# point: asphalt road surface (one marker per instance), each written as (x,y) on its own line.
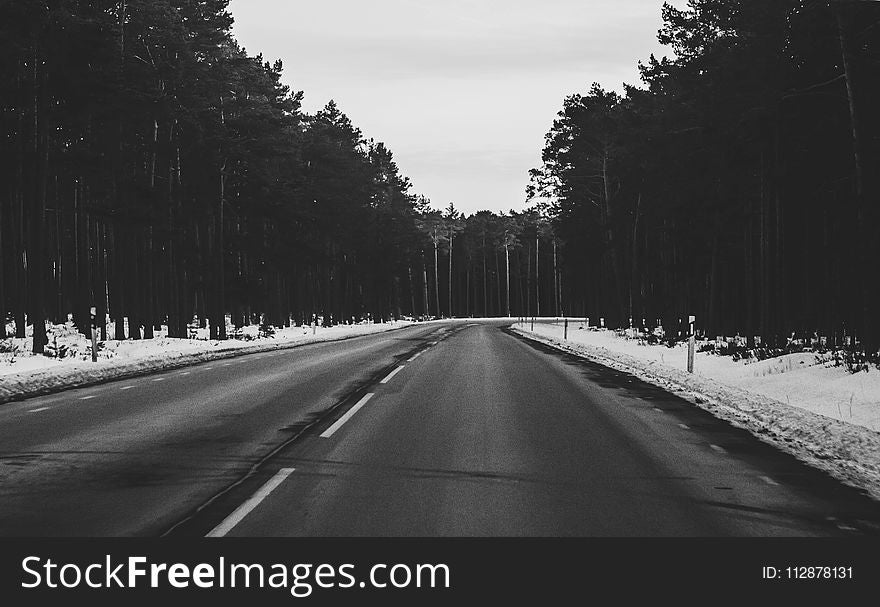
(441,429)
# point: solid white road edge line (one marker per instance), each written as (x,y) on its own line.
(392,374)
(341,421)
(246,508)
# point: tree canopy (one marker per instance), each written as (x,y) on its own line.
(739,184)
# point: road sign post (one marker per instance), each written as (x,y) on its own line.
(691,343)
(565,334)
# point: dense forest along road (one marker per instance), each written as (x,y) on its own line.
(458,428)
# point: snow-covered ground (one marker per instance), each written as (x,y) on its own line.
(22,373)
(801,403)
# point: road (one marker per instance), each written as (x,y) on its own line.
(450,429)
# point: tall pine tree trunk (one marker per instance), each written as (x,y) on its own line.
(3,309)
(528,306)
(507,276)
(38,186)
(412,291)
(555,278)
(537,276)
(485,281)
(500,308)
(451,237)
(425,286)
(437,275)
(866,215)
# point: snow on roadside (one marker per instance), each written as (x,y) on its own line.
(790,402)
(23,374)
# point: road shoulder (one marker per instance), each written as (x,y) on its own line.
(848,452)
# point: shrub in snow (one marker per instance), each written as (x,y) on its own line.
(9,346)
(852,361)
(266,330)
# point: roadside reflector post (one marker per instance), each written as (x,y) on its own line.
(533,323)
(93,313)
(565,335)
(691,343)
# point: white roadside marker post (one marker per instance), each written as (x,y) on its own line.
(691,343)
(565,335)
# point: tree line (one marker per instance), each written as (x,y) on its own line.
(153,170)
(738,184)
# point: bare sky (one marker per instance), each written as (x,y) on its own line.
(461,91)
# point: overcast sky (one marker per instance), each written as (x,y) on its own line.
(461,91)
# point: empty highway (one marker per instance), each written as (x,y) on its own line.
(440,429)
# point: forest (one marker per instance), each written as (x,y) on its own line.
(739,184)
(154,170)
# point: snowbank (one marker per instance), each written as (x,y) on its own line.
(822,415)
(23,374)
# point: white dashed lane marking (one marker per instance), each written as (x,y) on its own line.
(718,449)
(769,480)
(88,397)
(246,508)
(39,410)
(348,415)
(392,374)
(126,387)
